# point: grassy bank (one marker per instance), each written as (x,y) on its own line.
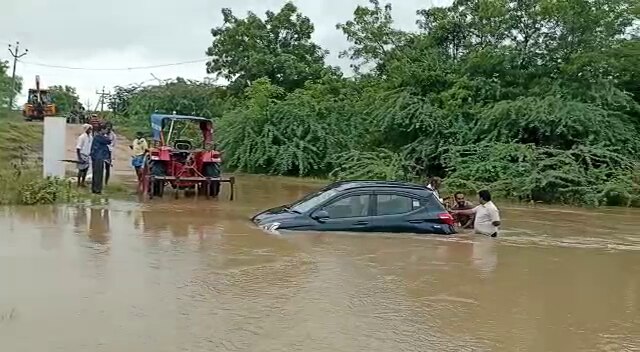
(21,181)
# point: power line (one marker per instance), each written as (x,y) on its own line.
(101,100)
(112,68)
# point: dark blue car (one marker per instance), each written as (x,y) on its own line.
(372,206)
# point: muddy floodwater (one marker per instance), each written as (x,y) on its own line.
(196,275)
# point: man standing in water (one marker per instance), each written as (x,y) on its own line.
(434,185)
(138,148)
(109,163)
(83,151)
(99,156)
(460,203)
(487,215)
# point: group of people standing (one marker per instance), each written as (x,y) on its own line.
(483,218)
(94,149)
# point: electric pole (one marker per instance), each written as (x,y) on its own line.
(102,95)
(16,55)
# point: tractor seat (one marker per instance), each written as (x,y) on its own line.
(182,145)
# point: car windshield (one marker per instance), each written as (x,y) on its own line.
(310,201)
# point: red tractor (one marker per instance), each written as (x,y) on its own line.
(174,159)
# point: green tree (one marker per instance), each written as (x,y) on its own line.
(132,105)
(65,97)
(525,80)
(6,84)
(371,33)
(296,134)
(278,48)
(534,99)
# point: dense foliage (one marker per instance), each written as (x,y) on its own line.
(534,99)
(278,48)
(133,104)
(5,86)
(66,98)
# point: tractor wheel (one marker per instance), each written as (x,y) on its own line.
(158,169)
(212,170)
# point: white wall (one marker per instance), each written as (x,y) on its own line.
(54,146)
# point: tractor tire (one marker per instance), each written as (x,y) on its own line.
(212,170)
(157,187)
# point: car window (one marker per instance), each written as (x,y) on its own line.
(312,200)
(349,207)
(391,204)
(433,204)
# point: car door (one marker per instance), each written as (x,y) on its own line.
(347,213)
(402,212)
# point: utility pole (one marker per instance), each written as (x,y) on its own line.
(16,55)
(102,95)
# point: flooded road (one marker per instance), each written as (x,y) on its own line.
(196,275)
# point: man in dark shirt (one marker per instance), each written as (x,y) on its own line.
(99,156)
(95,122)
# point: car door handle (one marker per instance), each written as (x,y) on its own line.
(416,221)
(361,223)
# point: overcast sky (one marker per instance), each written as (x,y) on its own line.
(133,33)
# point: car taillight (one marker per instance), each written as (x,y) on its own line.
(446,218)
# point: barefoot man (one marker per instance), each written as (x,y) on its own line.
(139,148)
(99,156)
(109,164)
(83,151)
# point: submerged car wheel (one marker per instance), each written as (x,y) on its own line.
(212,170)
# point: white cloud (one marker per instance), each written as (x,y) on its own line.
(128,33)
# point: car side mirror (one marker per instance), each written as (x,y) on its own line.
(320,215)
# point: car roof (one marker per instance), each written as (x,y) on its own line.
(353,184)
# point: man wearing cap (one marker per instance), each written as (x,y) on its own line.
(83,151)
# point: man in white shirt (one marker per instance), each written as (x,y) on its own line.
(107,166)
(487,215)
(434,185)
(83,151)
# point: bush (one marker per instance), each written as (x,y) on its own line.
(582,175)
(484,95)
(21,181)
(27,187)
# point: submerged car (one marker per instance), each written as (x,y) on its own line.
(364,206)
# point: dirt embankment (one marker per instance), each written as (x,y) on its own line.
(122,170)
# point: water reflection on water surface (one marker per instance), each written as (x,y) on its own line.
(191,275)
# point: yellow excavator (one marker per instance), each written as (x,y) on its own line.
(39,104)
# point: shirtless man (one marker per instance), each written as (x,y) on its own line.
(460,203)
